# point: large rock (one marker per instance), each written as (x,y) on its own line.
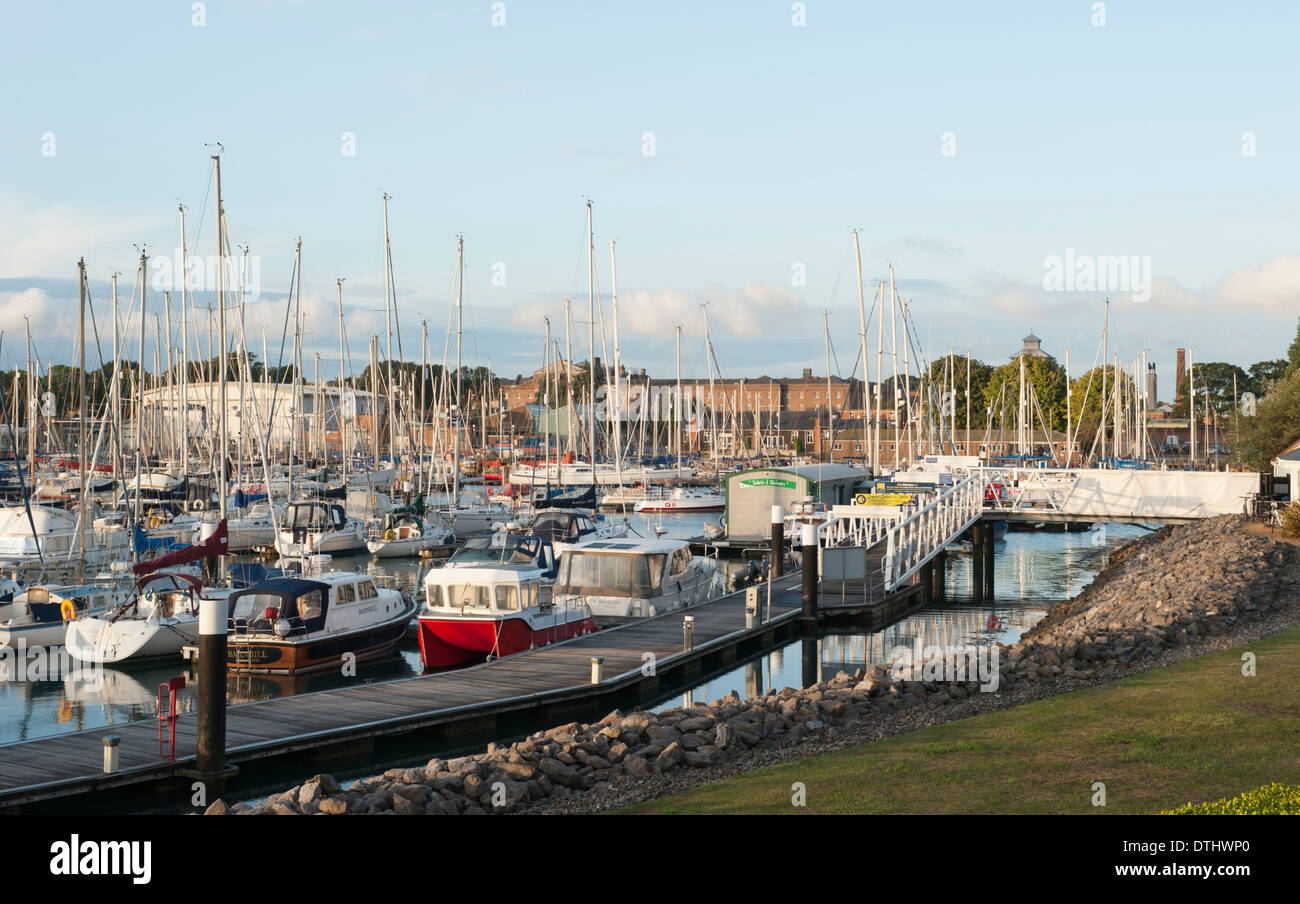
(560,773)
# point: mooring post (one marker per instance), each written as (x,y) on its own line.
(809,669)
(210,765)
(778,541)
(596,663)
(977,559)
(988,561)
(110,753)
(940,574)
(926,580)
(810,575)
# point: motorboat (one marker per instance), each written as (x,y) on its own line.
(303,624)
(683,500)
(488,611)
(504,548)
(564,527)
(37,616)
(635,578)
(48,535)
(313,527)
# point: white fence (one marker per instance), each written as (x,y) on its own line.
(914,541)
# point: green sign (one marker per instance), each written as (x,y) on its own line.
(769,482)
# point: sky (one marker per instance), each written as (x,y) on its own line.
(729,148)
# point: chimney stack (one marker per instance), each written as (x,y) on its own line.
(1152,398)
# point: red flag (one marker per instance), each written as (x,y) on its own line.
(213,546)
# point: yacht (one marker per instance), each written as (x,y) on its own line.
(158,618)
(294,625)
(407,537)
(682,499)
(635,578)
(478,612)
(312,528)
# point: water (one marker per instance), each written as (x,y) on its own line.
(1032,572)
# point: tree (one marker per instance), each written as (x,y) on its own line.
(1002,393)
(1264,375)
(1085,402)
(1275,426)
(1293,353)
(943,377)
(1218,378)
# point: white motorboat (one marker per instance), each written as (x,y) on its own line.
(311,528)
(635,578)
(682,500)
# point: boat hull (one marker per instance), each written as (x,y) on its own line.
(459,640)
(313,655)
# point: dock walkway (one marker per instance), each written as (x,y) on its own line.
(71,764)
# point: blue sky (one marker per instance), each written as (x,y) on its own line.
(771,140)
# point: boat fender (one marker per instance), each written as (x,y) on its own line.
(390,534)
(197,505)
(68,609)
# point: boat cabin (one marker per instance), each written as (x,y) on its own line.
(508,588)
(315,517)
(503,548)
(562,526)
(624,568)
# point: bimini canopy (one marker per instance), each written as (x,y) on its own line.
(301,602)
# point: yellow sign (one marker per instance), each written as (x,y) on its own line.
(883,498)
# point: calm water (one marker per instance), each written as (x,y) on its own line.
(1032,571)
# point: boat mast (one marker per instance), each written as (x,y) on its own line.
(81,418)
(388,314)
(713,403)
(862,337)
(185,374)
(591,344)
(830,412)
(222,461)
(139,391)
(618,406)
(677,409)
(455,445)
(1105,334)
(343,365)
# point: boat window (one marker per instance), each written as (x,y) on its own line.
(346,593)
(681,561)
(468,596)
(656,564)
(507,599)
(366,590)
(309,605)
(606,575)
(433,593)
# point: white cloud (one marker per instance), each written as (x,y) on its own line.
(1273,286)
(51,238)
(752,311)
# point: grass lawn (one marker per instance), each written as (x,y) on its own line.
(1197,731)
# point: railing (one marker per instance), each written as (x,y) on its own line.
(915,540)
(1031,489)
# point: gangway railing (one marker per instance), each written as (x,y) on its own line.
(918,538)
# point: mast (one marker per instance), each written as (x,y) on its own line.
(713,404)
(591,343)
(388,313)
(294,406)
(618,401)
(1105,335)
(81,418)
(343,365)
(455,445)
(185,373)
(830,411)
(568,373)
(139,391)
(31,399)
(862,336)
(678,410)
(222,460)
